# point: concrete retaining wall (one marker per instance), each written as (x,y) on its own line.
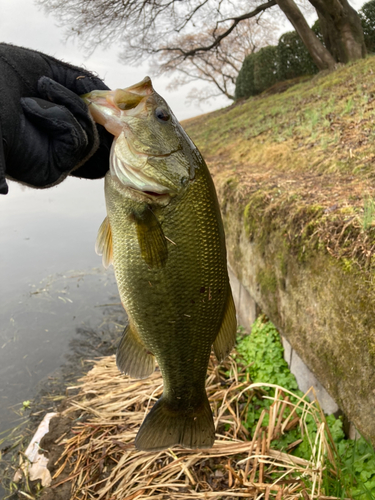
(324,312)
(247,312)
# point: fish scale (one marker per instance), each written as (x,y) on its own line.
(152,308)
(164,235)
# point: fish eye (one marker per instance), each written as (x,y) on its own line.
(162,114)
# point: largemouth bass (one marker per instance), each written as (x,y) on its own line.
(164,235)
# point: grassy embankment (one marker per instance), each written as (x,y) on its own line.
(309,152)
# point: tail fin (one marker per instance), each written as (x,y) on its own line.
(164,428)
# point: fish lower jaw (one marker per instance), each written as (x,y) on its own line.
(152,197)
(143,195)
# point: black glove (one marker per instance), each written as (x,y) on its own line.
(47,131)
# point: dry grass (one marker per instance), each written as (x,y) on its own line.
(102,462)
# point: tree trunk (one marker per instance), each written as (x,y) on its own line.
(321,56)
(341,29)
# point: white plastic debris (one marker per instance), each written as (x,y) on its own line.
(36,464)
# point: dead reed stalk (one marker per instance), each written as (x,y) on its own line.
(102,462)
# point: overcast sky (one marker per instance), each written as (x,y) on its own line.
(22,23)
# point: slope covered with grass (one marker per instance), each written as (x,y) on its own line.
(328,120)
(295,175)
(312,145)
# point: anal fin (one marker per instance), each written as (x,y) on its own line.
(132,356)
(103,245)
(226,338)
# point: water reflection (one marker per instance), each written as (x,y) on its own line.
(44,235)
(47,231)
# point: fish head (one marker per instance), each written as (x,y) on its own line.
(151,153)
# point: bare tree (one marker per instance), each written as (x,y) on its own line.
(174,32)
(219,67)
(321,56)
(341,28)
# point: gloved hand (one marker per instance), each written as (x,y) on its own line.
(47,131)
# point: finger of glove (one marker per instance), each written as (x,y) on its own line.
(87,84)
(82,84)
(98,165)
(76,79)
(66,136)
(48,148)
(56,93)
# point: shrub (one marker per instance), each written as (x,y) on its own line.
(318,32)
(289,59)
(266,68)
(294,58)
(367,15)
(245,79)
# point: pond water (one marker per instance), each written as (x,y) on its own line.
(52,283)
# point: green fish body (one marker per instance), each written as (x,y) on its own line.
(164,235)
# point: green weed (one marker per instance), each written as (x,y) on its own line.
(312,116)
(349,106)
(324,141)
(368,213)
(355,461)
(331,105)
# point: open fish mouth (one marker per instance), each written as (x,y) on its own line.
(147,154)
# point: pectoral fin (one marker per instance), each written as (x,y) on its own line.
(103,244)
(151,239)
(226,337)
(132,357)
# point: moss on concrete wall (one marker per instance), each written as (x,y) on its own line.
(323,304)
